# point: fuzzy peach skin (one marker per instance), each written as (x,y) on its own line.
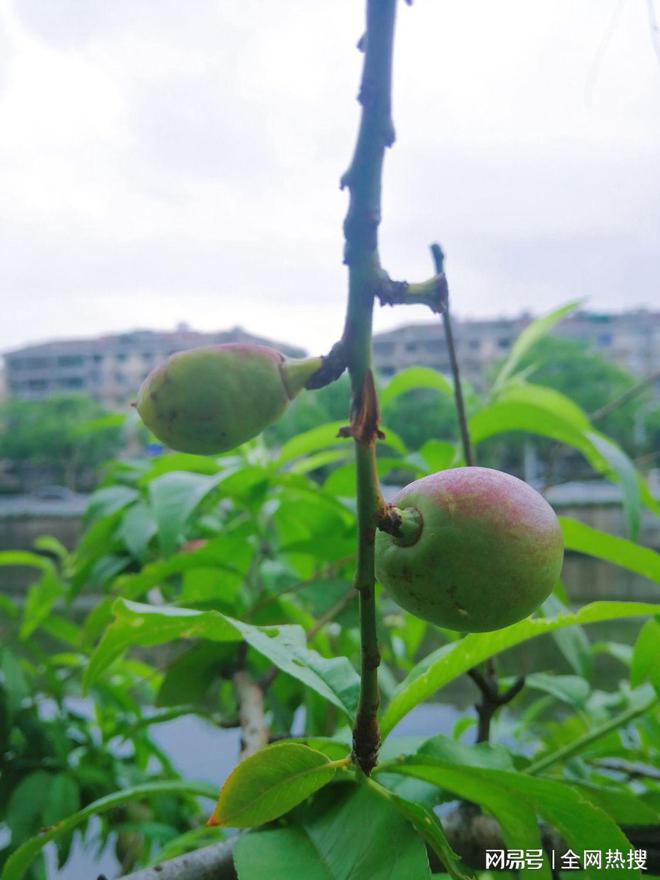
(212,399)
(489,553)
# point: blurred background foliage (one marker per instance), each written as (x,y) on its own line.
(184,558)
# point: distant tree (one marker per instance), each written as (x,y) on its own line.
(590,380)
(422,414)
(64,438)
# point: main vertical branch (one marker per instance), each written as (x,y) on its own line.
(363,180)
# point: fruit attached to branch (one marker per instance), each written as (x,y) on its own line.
(476,549)
(212,399)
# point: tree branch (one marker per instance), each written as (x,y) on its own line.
(250,699)
(469,832)
(212,862)
(363,179)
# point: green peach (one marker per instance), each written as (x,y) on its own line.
(482,550)
(212,399)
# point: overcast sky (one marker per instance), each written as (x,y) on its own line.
(164,161)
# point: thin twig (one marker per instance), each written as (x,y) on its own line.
(486,680)
(631,770)
(332,612)
(620,401)
(439,260)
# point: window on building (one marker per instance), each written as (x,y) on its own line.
(504,342)
(383,348)
(37,384)
(411,345)
(97,358)
(70,360)
(474,344)
(122,356)
(71,382)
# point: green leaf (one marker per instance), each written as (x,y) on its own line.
(63,800)
(619,551)
(549,400)
(320,459)
(641,702)
(505,415)
(324,437)
(625,807)
(188,678)
(26,805)
(50,544)
(310,441)
(111,499)
(480,755)
(438,455)
(229,552)
(342,481)
(183,461)
(511,413)
(270,783)
(412,378)
(40,602)
(139,624)
(646,656)
(25,558)
(528,338)
(582,824)
(333,678)
(428,826)
(626,475)
(570,689)
(347,834)
(17,864)
(174,496)
(135,623)
(137,528)
(450,661)
(13,680)
(519,827)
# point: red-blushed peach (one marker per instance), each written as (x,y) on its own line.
(487,552)
(212,399)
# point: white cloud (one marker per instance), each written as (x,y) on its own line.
(166,162)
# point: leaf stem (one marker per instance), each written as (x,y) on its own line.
(577,745)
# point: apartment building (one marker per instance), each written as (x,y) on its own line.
(109,368)
(629,339)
